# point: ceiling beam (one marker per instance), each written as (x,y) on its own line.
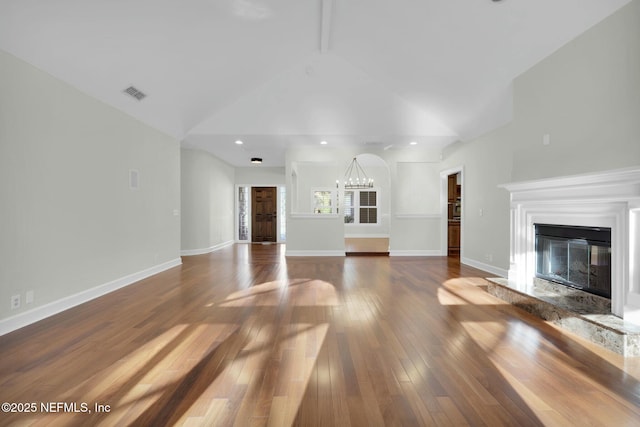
(325,25)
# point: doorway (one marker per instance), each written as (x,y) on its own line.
(264,214)
(454,211)
(366,210)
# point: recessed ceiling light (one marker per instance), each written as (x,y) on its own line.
(239,142)
(413,143)
(256,160)
(323,142)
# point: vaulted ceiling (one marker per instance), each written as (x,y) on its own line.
(277,72)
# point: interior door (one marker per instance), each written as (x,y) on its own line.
(264,212)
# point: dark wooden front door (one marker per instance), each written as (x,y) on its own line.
(264,210)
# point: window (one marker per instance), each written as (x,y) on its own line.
(368,207)
(322,201)
(349,207)
(243,213)
(360,207)
(283,214)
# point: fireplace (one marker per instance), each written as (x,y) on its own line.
(577,257)
(607,200)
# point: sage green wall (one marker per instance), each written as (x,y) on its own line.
(586,97)
(69,221)
(208,186)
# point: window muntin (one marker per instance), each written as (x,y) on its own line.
(361,207)
(349,207)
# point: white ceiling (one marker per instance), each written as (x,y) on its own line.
(278,72)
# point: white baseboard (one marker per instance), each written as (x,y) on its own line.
(315,253)
(434,252)
(499,272)
(191,252)
(28,317)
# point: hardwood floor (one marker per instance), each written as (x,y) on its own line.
(246,337)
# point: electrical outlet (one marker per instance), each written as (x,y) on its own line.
(15,302)
(28,298)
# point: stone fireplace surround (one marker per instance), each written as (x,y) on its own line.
(602,199)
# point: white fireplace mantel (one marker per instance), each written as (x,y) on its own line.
(602,199)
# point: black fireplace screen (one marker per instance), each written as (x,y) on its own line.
(579,257)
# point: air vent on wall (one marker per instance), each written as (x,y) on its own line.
(135,93)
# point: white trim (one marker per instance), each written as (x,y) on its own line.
(500,272)
(366,236)
(28,317)
(191,252)
(313,215)
(610,179)
(315,253)
(415,253)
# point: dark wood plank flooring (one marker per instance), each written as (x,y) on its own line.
(246,337)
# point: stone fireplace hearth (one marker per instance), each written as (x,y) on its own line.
(610,200)
(581,313)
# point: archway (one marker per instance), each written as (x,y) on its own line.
(366,211)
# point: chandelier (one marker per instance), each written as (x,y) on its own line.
(355,177)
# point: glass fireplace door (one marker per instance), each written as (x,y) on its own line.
(552,258)
(577,263)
